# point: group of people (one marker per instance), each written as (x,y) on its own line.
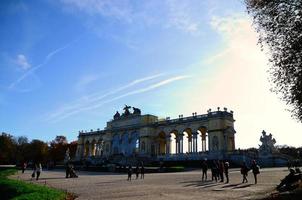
(220,170)
(138,170)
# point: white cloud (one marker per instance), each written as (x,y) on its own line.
(22,62)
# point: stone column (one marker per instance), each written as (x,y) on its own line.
(203,141)
(176,145)
(180,143)
(168,144)
(189,144)
(194,142)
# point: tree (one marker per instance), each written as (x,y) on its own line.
(72,148)
(37,151)
(7,149)
(22,147)
(58,148)
(279,24)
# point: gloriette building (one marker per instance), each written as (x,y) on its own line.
(133,134)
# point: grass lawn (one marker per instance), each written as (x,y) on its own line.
(16,189)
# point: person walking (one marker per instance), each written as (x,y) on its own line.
(67,169)
(34,167)
(221,170)
(142,171)
(39,170)
(129,173)
(24,165)
(255,169)
(226,171)
(244,171)
(204,168)
(137,171)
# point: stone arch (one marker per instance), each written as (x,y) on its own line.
(176,141)
(203,131)
(134,142)
(99,147)
(161,139)
(187,140)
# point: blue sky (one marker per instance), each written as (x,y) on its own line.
(69,65)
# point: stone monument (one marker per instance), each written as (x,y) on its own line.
(268,142)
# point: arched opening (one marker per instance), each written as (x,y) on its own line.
(175,147)
(99,148)
(202,139)
(125,144)
(187,141)
(134,143)
(161,143)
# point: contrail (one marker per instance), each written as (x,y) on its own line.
(138,91)
(97,97)
(32,70)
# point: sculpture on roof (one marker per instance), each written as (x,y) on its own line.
(116,115)
(136,111)
(126,109)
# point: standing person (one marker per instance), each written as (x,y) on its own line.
(34,167)
(214,169)
(226,171)
(204,168)
(39,170)
(221,170)
(129,173)
(142,171)
(67,169)
(255,169)
(137,171)
(24,165)
(244,171)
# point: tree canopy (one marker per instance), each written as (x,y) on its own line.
(279,24)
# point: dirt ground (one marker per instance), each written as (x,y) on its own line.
(183,185)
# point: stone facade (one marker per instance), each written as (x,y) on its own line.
(146,135)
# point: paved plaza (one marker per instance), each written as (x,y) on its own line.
(184,185)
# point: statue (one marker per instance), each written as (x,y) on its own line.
(268,142)
(117,115)
(136,111)
(126,109)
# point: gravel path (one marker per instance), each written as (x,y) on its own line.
(184,185)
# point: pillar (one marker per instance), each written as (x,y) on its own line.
(189,144)
(180,143)
(168,144)
(203,141)
(194,142)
